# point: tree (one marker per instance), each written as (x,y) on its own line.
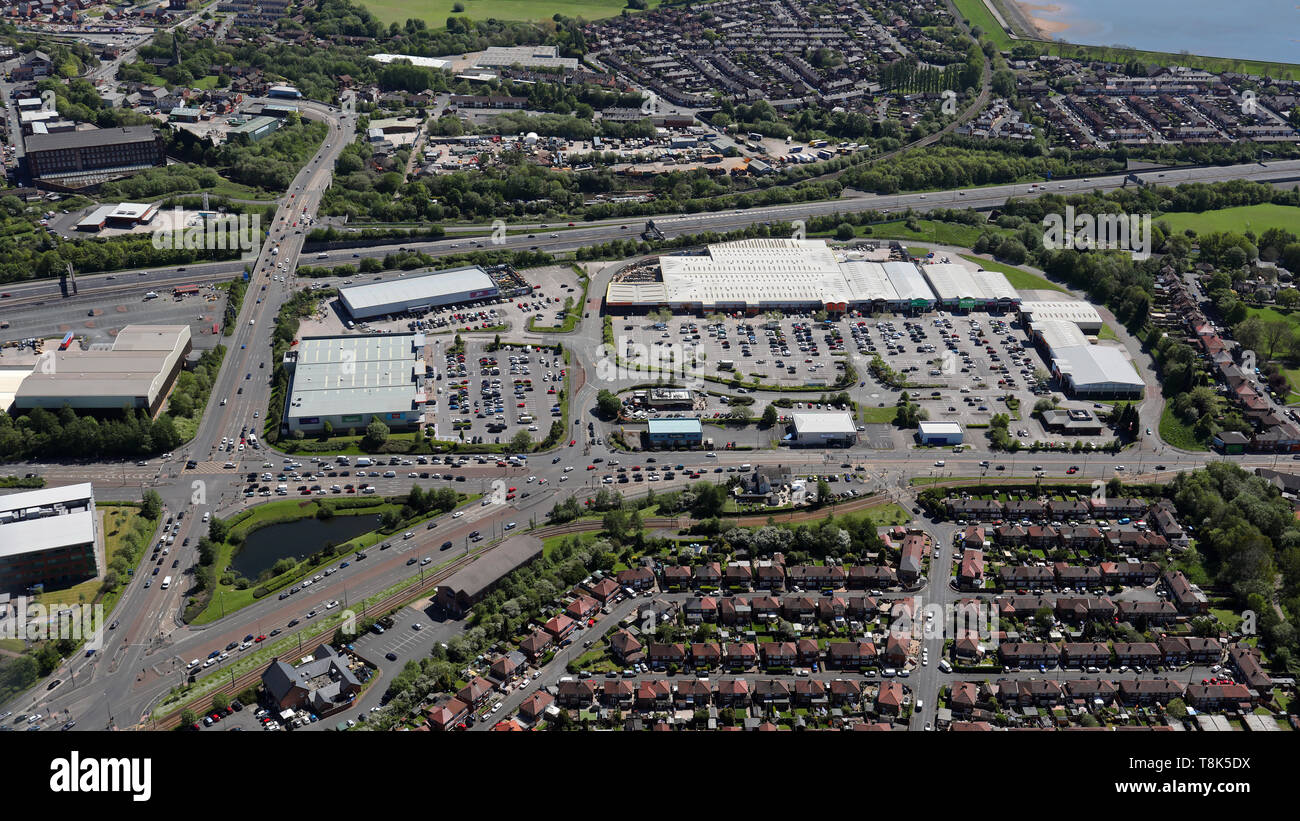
(823,491)
(521,442)
(220,702)
(844,232)
(151,505)
(218,530)
(376,435)
(770,416)
(607,403)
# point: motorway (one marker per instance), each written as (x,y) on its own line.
(94,287)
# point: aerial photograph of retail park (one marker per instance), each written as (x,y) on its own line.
(683,366)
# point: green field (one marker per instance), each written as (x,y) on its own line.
(1176,433)
(436,12)
(1257,218)
(944,233)
(1019,278)
(115,523)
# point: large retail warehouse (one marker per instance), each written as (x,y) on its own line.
(758,275)
(348,380)
(420,292)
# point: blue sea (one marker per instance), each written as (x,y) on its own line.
(1247,29)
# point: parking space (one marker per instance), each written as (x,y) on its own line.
(490,396)
(963,368)
(792,350)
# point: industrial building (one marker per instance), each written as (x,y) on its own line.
(824,429)
(255,129)
(137,372)
(675,433)
(771,274)
(348,380)
(80,158)
(1078,312)
(450,286)
(939,433)
(49,537)
(958,287)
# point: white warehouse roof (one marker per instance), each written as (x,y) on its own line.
(435,287)
(1097,368)
(952,282)
(1075,311)
(1059,334)
(42,519)
(426,62)
(824,422)
(939,428)
(368,375)
(771,272)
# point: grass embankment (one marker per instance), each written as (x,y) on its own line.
(1177,433)
(1019,278)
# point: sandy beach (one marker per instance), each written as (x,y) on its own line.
(1046,28)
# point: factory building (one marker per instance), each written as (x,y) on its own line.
(418,293)
(80,158)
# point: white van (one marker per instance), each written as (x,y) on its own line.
(282,490)
(363,461)
(388,474)
(745,466)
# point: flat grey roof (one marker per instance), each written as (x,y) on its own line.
(99,136)
(372,374)
(412,289)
